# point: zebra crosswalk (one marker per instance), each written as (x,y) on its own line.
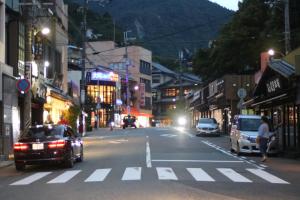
(249,175)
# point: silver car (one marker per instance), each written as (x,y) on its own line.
(208,126)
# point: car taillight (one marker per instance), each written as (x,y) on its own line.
(57,144)
(21,146)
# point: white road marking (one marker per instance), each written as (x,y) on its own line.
(233,175)
(98,175)
(169,135)
(201,161)
(166,173)
(264,166)
(190,135)
(31,179)
(267,176)
(132,174)
(200,175)
(65,177)
(148,155)
(229,154)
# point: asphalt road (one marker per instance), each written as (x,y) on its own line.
(155,163)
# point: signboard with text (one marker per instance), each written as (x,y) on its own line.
(273,85)
(142,94)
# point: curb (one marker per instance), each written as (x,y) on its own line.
(4,164)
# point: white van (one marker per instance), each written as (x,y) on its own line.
(243,133)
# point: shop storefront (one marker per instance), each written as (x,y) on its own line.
(276,97)
(101,98)
(57,104)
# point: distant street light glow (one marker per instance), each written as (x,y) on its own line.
(45,31)
(271,52)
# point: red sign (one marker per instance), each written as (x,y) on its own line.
(142,94)
(23,85)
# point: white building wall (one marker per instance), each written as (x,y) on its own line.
(2,31)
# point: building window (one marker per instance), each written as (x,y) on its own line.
(156,79)
(147,84)
(145,67)
(170,92)
(21,61)
(101,93)
(147,104)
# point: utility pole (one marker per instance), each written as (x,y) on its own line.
(180,75)
(287,32)
(127,72)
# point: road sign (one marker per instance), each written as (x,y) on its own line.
(23,85)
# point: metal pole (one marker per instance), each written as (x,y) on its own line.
(82,84)
(287,32)
(127,74)
(180,76)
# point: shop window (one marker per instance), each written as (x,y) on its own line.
(170,92)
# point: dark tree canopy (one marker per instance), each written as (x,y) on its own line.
(254,28)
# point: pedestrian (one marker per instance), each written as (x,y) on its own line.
(263,137)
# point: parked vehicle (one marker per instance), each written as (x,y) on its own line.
(48,144)
(244,132)
(208,126)
(129,121)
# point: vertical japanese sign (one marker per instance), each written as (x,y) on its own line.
(27,71)
(142,94)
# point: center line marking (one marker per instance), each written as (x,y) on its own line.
(148,155)
(201,161)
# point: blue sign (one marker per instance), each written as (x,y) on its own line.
(23,85)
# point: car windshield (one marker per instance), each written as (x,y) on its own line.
(249,124)
(44,132)
(207,121)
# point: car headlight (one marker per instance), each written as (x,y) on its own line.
(182,121)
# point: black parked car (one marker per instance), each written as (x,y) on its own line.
(48,144)
(129,121)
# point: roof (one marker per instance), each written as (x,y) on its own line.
(192,77)
(162,68)
(282,67)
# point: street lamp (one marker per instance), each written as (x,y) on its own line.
(45,31)
(272,53)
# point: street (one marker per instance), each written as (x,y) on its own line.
(155,163)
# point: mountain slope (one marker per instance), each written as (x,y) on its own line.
(165,26)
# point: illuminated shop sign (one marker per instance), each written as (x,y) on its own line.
(273,85)
(104,76)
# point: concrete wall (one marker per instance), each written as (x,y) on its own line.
(2,31)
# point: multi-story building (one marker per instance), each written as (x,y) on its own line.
(166,91)
(9,109)
(138,62)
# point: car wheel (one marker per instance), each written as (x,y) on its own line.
(80,159)
(20,166)
(238,149)
(69,162)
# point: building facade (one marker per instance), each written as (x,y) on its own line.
(277,96)
(9,109)
(132,63)
(166,92)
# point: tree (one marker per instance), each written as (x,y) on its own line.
(254,28)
